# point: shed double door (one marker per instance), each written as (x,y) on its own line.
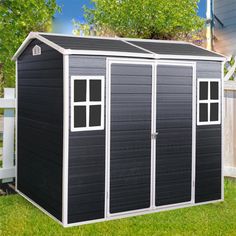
(148,170)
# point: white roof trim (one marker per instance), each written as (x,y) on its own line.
(182,57)
(34,35)
(149,54)
(136,46)
(156,41)
(143,55)
(220,55)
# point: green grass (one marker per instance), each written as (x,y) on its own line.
(18,217)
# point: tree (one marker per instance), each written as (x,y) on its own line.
(157,19)
(17,19)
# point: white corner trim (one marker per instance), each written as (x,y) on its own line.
(222,130)
(194,130)
(16,125)
(65,139)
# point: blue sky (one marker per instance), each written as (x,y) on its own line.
(73,9)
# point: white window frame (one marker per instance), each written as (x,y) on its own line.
(208,101)
(87,103)
(36,51)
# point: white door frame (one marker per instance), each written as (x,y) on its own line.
(109,62)
(154,65)
(193,65)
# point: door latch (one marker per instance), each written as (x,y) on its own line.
(154,135)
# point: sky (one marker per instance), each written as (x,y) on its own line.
(73,9)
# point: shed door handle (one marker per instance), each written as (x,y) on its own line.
(154,135)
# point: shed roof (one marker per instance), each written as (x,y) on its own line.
(158,49)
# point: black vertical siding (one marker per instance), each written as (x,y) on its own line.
(40,127)
(130,151)
(208,147)
(174,141)
(86,156)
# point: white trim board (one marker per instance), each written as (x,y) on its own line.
(65,168)
(141,213)
(39,207)
(16,121)
(194,74)
(222,129)
(109,62)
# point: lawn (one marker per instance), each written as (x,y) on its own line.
(18,217)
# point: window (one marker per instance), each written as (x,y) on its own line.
(208,102)
(87,103)
(36,51)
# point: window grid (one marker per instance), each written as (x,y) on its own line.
(87,103)
(208,101)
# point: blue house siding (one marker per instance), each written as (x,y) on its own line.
(225,11)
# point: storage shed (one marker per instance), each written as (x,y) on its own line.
(112,127)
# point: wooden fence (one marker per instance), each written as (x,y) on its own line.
(230,129)
(7,169)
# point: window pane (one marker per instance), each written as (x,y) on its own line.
(95,90)
(214,111)
(95,115)
(203,116)
(79,90)
(214,90)
(203,90)
(80,116)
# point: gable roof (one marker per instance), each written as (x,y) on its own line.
(158,49)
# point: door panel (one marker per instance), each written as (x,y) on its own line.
(130,137)
(174,140)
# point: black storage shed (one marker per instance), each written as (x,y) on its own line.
(113,127)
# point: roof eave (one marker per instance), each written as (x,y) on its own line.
(196,58)
(148,54)
(34,35)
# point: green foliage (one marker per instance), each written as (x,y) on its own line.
(17,19)
(227,67)
(158,19)
(19,217)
